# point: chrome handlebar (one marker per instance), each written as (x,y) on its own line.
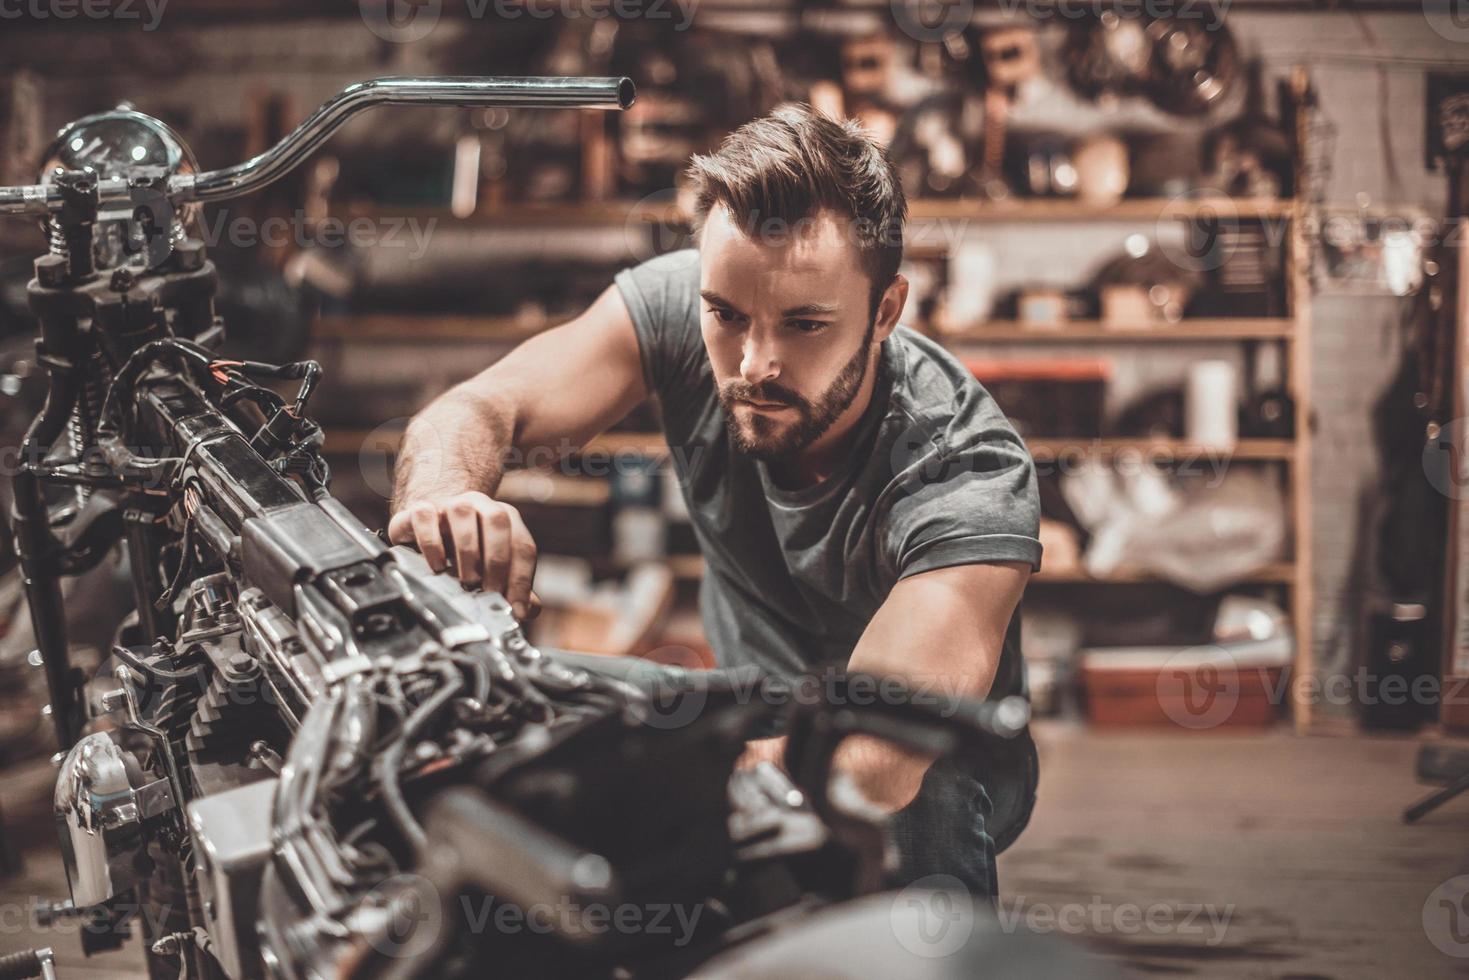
(252,175)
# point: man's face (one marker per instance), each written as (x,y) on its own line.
(786,321)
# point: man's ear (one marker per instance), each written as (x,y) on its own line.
(890,308)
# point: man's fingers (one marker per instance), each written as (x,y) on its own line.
(425,521)
(489,542)
(522,569)
(497,529)
(464,529)
(400,528)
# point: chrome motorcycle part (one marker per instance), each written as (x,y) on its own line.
(103,799)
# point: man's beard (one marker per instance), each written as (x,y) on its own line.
(772,440)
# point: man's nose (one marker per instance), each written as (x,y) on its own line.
(759,360)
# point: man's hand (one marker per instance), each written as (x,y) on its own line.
(486,541)
(941,632)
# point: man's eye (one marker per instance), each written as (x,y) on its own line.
(809,326)
(724,316)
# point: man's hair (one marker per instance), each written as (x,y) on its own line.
(779,170)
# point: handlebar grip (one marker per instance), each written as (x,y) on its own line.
(23,965)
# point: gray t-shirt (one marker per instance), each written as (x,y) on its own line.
(938,478)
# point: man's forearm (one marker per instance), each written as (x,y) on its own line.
(457,444)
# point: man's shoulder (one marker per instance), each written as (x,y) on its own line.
(941,404)
(681,266)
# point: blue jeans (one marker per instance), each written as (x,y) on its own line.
(942,832)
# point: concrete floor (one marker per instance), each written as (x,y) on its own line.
(1216,855)
(1263,855)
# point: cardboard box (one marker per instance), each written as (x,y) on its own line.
(1191,689)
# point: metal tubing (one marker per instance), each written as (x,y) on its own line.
(468,91)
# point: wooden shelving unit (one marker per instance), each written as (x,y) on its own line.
(1280,573)
(1095,331)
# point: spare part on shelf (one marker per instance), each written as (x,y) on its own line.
(1193,67)
(1101,170)
(1252,156)
(1108,55)
(1177,63)
(1170,287)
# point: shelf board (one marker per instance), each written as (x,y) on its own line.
(1075,331)
(553,489)
(412,327)
(1244,449)
(614,443)
(1280,573)
(1128,209)
(347,441)
(416,327)
(557,213)
(342,441)
(619,211)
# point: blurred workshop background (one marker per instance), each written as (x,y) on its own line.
(1207,262)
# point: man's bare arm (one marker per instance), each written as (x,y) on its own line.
(552,392)
(940,631)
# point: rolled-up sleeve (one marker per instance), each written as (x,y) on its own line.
(977,503)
